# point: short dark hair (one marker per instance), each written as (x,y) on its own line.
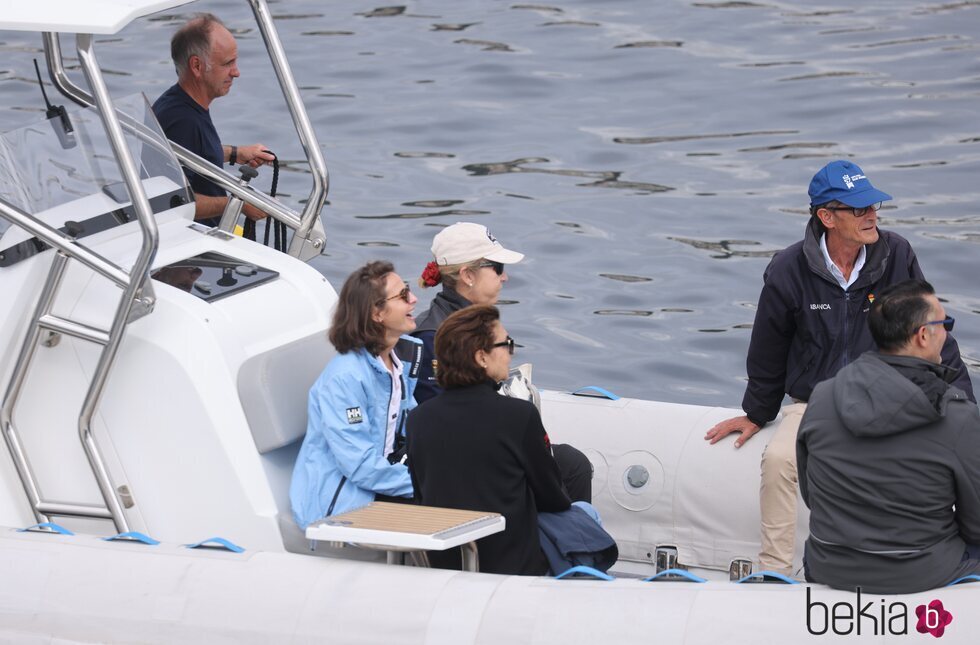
(459,337)
(353,324)
(897,313)
(193,39)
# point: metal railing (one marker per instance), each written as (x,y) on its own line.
(137,299)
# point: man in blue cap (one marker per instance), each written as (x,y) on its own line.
(812,321)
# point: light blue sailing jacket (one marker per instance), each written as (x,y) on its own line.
(342,464)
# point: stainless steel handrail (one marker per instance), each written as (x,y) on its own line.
(137,294)
(307,137)
(67,245)
(16,385)
(139,287)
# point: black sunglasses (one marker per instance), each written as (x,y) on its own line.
(856,212)
(498,267)
(509,344)
(947,323)
(403,294)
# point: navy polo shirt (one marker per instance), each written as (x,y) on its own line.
(186,123)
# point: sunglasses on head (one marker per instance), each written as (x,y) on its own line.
(498,267)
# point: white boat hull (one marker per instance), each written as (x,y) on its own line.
(79,589)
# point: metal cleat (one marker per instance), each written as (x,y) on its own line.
(738,568)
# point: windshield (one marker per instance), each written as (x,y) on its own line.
(42,167)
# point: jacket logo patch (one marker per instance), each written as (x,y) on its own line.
(413,372)
(354,415)
(819,305)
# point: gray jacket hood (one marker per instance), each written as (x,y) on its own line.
(884,394)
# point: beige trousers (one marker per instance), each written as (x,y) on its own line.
(777,495)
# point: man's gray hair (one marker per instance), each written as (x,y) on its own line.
(193,39)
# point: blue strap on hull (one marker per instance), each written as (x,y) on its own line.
(595,391)
(675,575)
(46,527)
(132,536)
(216,542)
(767,576)
(970,578)
(583,572)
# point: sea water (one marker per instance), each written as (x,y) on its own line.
(648,156)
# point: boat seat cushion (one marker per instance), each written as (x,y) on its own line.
(274,386)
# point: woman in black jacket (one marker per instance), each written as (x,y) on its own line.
(471,448)
(470,264)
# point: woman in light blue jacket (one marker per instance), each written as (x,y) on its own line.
(356,429)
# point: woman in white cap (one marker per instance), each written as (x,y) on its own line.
(470,264)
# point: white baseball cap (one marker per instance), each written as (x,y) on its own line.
(465,242)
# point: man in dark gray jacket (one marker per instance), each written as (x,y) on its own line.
(889,458)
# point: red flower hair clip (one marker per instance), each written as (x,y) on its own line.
(431,276)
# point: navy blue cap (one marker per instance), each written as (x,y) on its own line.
(844,182)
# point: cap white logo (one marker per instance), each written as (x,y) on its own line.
(850,179)
(490,237)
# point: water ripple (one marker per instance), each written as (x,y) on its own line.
(699,137)
(384,12)
(538,7)
(453,26)
(731,4)
(822,75)
(651,44)
(425,155)
(723,250)
(625,278)
(453,211)
(953,6)
(604,178)
(485,45)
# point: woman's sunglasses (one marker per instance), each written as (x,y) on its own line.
(509,344)
(403,294)
(498,267)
